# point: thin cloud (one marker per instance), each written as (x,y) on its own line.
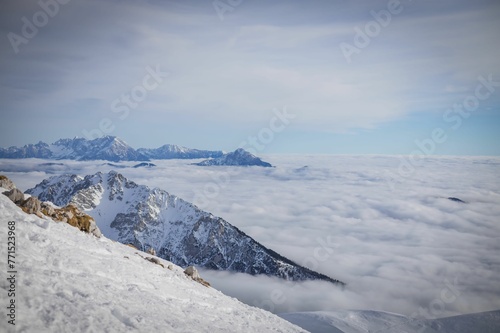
(234,72)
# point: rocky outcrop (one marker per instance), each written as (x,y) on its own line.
(47,209)
(192,272)
(6,183)
(32,206)
(69,214)
(15,196)
(76,218)
(155,261)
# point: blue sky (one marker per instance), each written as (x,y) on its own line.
(229,72)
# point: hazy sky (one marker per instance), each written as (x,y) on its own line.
(354,76)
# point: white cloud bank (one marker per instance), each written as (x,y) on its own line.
(401,246)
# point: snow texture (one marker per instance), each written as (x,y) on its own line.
(69,281)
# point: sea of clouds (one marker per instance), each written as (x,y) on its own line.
(386,229)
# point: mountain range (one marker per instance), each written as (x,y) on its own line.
(175,229)
(108,148)
(173,151)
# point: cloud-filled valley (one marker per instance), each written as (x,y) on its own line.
(397,240)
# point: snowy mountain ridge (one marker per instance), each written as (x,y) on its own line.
(108,148)
(239,157)
(177,230)
(169,151)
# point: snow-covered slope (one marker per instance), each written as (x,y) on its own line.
(383,322)
(239,157)
(177,230)
(108,148)
(69,281)
(173,151)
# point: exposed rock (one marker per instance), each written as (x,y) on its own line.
(155,261)
(150,259)
(192,272)
(47,209)
(69,214)
(15,196)
(31,205)
(151,251)
(6,183)
(73,216)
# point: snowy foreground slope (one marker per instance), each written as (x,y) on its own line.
(384,322)
(69,281)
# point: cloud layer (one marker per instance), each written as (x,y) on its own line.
(397,240)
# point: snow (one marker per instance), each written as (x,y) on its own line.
(69,281)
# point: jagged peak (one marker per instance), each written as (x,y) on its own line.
(239,157)
(107,147)
(175,228)
(68,141)
(107,137)
(242,151)
(64,177)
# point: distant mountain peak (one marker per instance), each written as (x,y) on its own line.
(108,147)
(169,151)
(239,157)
